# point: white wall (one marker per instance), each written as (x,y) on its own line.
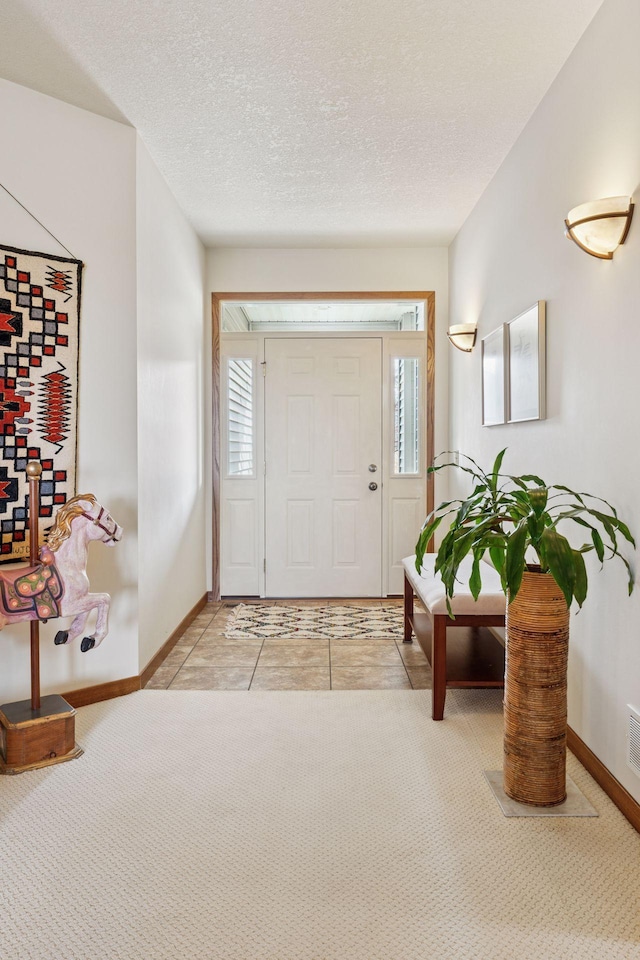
(76,172)
(141,396)
(582,143)
(171,405)
(270,270)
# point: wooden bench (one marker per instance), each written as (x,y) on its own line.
(473,658)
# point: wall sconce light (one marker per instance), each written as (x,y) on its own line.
(600,226)
(463,336)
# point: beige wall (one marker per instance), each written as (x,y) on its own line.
(582,143)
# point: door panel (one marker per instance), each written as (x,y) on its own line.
(323,428)
(345,533)
(242,528)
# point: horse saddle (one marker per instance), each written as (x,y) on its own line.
(35,589)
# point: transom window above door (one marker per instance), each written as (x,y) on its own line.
(335,315)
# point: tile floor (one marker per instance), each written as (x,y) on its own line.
(204,659)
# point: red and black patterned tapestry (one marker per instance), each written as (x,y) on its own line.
(39,328)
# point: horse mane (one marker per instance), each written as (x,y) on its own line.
(61,529)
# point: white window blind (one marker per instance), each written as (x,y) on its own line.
(406,415)
(240,424)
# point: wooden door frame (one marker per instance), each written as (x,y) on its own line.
(429,298)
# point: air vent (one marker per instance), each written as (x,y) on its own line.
(634,740)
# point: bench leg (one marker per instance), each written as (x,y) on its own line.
(438,666)
(408,609)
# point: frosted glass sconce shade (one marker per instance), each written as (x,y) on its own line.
(463,336)
(600,226)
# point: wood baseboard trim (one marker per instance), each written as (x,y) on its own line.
(102,691)
(623,800)
(171,641)
(119,688)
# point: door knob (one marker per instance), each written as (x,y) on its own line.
(373,486)
(372,468)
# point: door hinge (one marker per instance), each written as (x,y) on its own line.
(264,368)
(264,468)
(264,566)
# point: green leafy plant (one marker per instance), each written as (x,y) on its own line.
(514,518)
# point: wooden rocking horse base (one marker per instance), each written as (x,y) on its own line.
(30,739)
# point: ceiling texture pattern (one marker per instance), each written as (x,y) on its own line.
(306,122)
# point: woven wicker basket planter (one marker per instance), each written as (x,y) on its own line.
(535,695)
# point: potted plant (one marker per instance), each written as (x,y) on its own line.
(516,520)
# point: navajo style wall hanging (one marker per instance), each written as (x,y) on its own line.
(39,336)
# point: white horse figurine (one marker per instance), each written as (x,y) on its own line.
(59,586)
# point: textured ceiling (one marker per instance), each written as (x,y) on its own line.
(306,122)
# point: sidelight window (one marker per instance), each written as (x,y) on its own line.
(240,427)
(406,387)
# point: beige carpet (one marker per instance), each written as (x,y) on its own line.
(303,826)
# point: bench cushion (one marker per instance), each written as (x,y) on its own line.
(430,588)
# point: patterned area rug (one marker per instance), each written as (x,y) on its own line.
(39,320)
(314,623)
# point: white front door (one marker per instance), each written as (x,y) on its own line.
(323,430)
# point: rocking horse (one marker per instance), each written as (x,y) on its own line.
(58,586)
(38,732)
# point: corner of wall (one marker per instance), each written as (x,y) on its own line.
(171,337)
